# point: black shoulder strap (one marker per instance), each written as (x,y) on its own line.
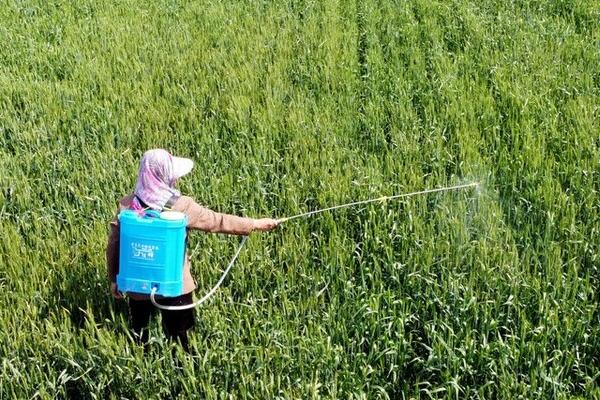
(141,202)
(171,202)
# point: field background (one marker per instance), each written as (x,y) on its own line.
(288,106)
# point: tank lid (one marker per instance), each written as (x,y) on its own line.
(172,215)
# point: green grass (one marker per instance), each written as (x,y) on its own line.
(289,106)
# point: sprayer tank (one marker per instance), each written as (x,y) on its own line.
(151,252)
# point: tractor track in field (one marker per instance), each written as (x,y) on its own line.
(363,68)
(366,134)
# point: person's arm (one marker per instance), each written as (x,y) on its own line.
(207,220)
(112,258)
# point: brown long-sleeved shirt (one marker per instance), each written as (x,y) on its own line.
(199,217)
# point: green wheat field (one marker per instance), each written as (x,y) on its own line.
(287,107)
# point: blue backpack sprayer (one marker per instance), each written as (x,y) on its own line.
(152,249)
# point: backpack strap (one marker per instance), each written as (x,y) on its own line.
(144,205)
(171,202)
(168,205)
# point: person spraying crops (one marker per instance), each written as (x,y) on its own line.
(155,190)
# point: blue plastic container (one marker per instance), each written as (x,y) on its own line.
(151,252)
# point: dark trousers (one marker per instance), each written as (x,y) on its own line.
(175,323)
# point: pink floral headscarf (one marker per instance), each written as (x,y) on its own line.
(155,181)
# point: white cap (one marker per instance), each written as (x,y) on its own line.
(181,166)
(172,215)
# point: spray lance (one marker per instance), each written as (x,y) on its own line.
(304,215)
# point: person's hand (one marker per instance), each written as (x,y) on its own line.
(114,291)
(265,224)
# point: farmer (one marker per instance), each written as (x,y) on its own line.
(155,189)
